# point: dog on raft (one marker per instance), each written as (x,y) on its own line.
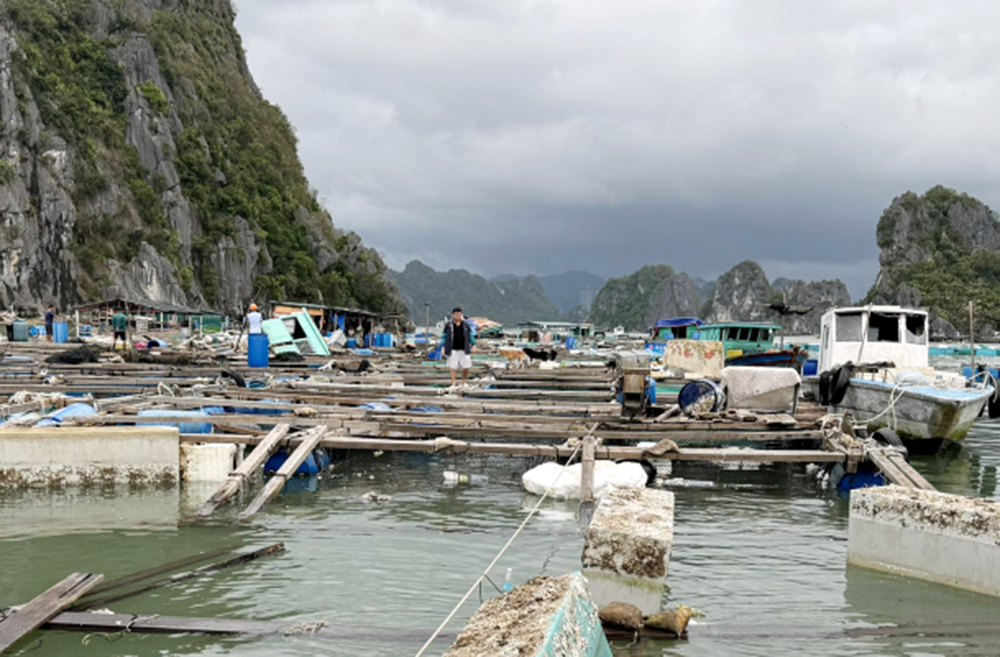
(540,354)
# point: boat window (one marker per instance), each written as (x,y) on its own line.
(744,334)
(883,328)
(849,327)
(732,333)
(680,332)
(915,333)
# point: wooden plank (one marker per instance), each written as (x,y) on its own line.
(308,443)
(156,624)
(150,573)
(603,452)
(918,479)
(36,613)
(889,468)
(246,469)
(237,560)
(897,470)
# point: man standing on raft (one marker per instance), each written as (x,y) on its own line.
(458,340)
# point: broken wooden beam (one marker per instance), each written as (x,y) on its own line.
(246,469)
(36,613)
(150,573)
(157,624)
(895,468)
(308,443)
(237,560)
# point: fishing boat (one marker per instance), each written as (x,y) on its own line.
(894,387)
(678,328)
(753,344)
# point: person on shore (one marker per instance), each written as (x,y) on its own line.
(50,320)
(254,319)
(119,323)
(9,317)
(458,340)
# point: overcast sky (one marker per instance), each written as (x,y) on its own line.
(524,136)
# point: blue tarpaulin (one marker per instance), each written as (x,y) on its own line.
(679,321)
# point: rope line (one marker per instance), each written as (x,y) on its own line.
(496,559)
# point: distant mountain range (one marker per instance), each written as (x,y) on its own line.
(635,301)
(508,299)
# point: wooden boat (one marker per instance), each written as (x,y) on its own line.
(794,358)
(900,391)
(753,344)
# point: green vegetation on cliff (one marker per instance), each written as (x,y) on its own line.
(80,92)
(234,153)
(637,301)
(943,245)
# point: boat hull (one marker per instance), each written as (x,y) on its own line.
(919,412)
(785,358)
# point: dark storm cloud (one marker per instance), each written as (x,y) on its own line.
(533,136)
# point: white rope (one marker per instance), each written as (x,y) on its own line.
(496,559)
(893,398)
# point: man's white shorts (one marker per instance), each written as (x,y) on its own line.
(459,360)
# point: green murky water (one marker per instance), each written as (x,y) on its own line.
(761,551)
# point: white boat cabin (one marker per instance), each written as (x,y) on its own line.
(871,334)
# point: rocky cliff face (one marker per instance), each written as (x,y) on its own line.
(744,294)
(740,295)
(818,295)
(508,301)
(940,250)
(138,158)
(639,300)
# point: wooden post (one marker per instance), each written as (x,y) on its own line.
(972,339)
(587,473)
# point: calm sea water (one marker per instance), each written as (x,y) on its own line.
(762,552)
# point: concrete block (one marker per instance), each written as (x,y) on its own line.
(948,539)
(544,617)
(212,462)
(82,456)
(626,554)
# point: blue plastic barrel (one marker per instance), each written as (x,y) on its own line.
(811,367)
(191,426)
(257,350)
(21,331)
(570,342)
(705,393)
(352,343)
(60,332)
(73,410)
